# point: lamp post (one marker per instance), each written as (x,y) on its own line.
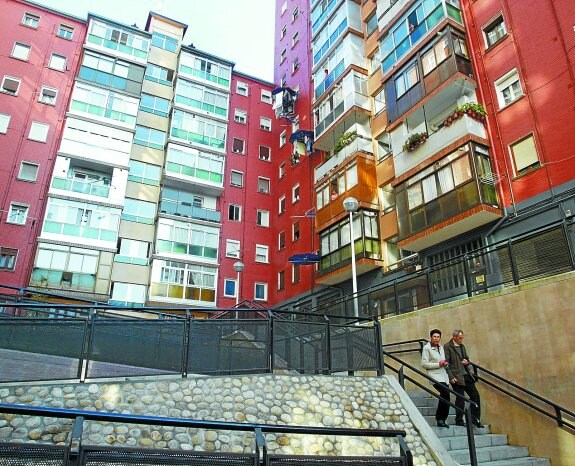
(238,267)
(351,204)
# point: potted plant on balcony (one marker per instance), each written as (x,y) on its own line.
(294,159)
(474,110)
(344,140)
(414,141)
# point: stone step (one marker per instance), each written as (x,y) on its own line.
(457,431)
(486,440)
(431,419)
(528,461)
(497,453)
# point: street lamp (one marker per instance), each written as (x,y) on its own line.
(238,267)
(351,204)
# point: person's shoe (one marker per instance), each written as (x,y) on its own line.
(442,424)
(460,423)
(477,423)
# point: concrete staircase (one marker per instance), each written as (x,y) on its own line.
(492,449)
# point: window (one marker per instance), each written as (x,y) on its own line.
(240,116)
(508,88)
(263,218)
(11,85)
(38,131)
(284,81)
(495,31)
(57,62)
(283,55)
(379,101)
(295,39)
(295,231)
(265,124)
(28,171)
(128,294)
(260,291)
(294,14)
(375,61)
(156,105)
(66,32)
(295,65)
(146,173)
(237,178)
(266,96)
(48,95)
(133,252)
(295,273)
(281,280)
(235,213)
(525,157)
(284,8)
(438,53)
(262,253)
(139,211)
(370,25)
(295,124)
(281,240)
(283,138)
(232,248)
(241,88)
(164,42)
(150,137)
(238,146)
(282,170)
(282,204)
(265,153)
(17,214)
(8,258)
(4,122)
(406,80)
(230,286)
(263,185)
(283,31)
(159,74)
(20,51)
(31,20)
(295,193)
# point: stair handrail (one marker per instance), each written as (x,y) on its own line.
(559,410)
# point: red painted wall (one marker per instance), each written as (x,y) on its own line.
(541,45)
(24,109)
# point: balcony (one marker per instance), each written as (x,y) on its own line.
(190,211)
(359,144)
(318,17)
(58,279)
(83,187)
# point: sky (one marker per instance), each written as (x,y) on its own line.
(241,31)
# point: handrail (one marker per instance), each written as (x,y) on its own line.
(559,410)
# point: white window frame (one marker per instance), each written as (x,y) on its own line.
(264,287)
(31,166)
(530,154)
(295,193)
(295,39)
(57,62)
(4,122)
(264,157)
(242,88)
(265,124)
(262,254)
(491,26)
(264,180)
(31,16)
(240,116)
(295,65)
(283,55)
(506,82)
(293,231)
(21,51)
(282,204)
(233,248)
(20,207)
(284,8)
(48,90)
(234,150)
(283,138)
(237,208)
(129,293)
(235,282)
(67,29)
(282,170)
(10,78)
(294,14)
(239,174)
(263,218)
(266,96)
(39,131)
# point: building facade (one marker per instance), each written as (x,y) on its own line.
(40,55)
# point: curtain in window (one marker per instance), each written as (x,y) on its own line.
(445,180)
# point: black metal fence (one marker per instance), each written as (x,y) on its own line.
(44,343)
(538,254)
(77,452)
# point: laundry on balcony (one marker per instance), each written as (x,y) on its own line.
(306,258)
(302,137)
(284,99)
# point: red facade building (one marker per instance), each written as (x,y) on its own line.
(40,49)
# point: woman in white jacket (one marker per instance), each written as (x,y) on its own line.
(433,361)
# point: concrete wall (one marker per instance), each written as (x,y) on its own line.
(523,333)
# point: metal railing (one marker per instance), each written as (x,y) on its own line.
(59,342)
(75,453)
(503,385)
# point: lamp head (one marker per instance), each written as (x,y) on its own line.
(350,204)
(239,266)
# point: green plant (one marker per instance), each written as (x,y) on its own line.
(344,140)
(414,141)
(471,107)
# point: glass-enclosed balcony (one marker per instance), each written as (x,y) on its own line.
(204,69)
(81,186)
(458,186)
(415,24)
(359,144)
(319,15)
(118,39)
(198,97)
(183,210)
(58,279)
(197,130)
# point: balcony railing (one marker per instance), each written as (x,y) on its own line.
(190,211)
(358,144)
(350,100)
(58,279)
(318,22)
(330,78)
(330,41)
(83,187)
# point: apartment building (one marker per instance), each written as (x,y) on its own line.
(39,60)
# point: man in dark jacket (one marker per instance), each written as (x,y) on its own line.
(461,378)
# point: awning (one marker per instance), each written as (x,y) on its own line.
(300,135)
(306,258)
(277,90)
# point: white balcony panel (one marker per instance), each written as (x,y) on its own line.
(358,144)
